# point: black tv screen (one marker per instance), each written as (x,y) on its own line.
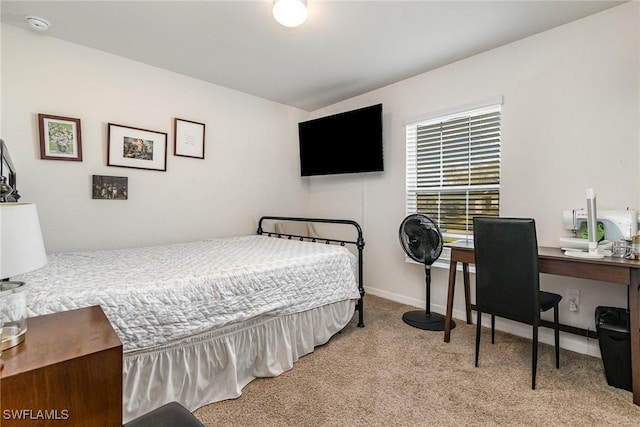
(349,142)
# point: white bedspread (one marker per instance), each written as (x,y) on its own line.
(156,295)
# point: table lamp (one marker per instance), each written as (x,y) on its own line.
(21,251)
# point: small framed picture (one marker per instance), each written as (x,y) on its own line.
(110,187)
(60,138)
(130,147)
(188,138)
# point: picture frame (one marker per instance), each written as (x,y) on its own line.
(188,138)
(107,187)
(131,147)
(60,138)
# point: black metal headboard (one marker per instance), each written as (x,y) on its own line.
(8,189)
(359,243)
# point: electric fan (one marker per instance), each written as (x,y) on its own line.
(422,241)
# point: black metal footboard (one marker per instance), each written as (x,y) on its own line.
(359,243)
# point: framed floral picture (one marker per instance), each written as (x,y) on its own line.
(60,138)
(130,147)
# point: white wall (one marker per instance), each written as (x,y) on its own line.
(570,121)
(570,117)
(251,158)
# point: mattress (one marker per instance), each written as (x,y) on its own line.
(154,296)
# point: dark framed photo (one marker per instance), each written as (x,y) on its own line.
(60,138)
(188,138)
(110,187)
(130,147)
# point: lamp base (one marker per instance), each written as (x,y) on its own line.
(13,305)
(11,337)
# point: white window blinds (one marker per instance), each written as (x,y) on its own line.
(453,168)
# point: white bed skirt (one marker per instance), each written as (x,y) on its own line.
(216,365)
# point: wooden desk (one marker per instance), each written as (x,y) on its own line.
(553,261)
(68,371)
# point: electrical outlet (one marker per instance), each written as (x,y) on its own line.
(572,306)
(573,296)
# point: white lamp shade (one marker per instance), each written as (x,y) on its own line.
(21,246)
(290,13)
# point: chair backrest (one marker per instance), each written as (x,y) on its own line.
(507,277)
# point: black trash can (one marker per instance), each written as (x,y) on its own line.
(612,327)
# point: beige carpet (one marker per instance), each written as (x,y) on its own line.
(390,374)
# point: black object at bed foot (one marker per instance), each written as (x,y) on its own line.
(172,414)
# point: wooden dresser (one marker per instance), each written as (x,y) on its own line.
(67,372)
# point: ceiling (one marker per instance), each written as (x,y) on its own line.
(345,48)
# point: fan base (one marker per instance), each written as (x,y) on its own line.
(426,321)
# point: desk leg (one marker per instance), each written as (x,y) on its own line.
(634,322)
(452,288)
(467,292)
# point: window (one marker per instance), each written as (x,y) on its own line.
(453,168)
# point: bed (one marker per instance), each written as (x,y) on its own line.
(200,320)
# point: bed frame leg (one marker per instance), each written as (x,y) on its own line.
(360,246)
(360,308)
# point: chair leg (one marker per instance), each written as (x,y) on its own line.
(493,329)
(534,357)
(478,325)
(556,330)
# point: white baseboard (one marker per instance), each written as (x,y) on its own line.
(572,342)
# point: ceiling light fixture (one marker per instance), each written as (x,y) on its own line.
(37,23)
(290,13)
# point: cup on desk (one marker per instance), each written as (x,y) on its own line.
(1,325)
(621,249)
(635,248)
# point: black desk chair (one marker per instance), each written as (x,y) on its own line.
(507,279)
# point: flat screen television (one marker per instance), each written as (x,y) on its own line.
(349,142)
